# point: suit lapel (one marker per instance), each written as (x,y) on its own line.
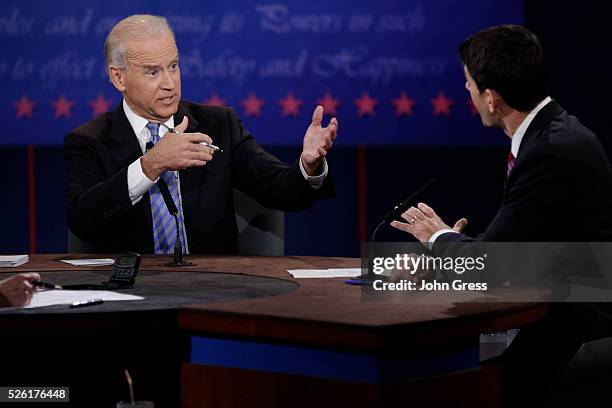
(124,147)
(539,123)
(124,150)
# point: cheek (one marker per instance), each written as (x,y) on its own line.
(149,90)
(474,99)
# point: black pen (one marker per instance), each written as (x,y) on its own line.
(89,302)
(45,285)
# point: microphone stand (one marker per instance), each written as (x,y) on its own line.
(390,217)
(178,246)
(370,277)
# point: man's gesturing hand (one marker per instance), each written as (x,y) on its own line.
(317,141)
(177,151)
(423,222)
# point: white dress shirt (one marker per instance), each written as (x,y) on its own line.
(517,138)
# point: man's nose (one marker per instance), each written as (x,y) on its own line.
(168,80)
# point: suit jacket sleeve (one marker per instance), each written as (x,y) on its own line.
(94,198)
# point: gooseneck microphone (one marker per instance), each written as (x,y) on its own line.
(412,201)
(178,246)
(393,215)
(396,213)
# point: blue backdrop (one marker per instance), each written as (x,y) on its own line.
(389,69)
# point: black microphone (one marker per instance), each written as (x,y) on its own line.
(165,192)
(178,246)
(398,210)
(395,214)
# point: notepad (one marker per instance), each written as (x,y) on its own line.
(11,261)
(325,273)
(55,297)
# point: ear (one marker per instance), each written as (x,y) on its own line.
(493,100)
(117,77)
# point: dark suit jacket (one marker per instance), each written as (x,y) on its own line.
(560,189)
(99,208)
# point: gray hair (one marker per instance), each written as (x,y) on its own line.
(136,27)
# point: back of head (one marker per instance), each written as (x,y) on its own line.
(134,28)
(509,60)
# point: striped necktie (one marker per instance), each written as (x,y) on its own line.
(164,226)
(511,160)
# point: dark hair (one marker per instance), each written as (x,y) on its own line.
(509,60)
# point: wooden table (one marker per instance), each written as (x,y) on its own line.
(320,344)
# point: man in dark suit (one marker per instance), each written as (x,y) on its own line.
(117,161)
(558,188)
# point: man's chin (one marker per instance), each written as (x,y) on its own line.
(167,112)
(489,123)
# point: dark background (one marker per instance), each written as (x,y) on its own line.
(576,40)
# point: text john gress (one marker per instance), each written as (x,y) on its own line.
(406,285)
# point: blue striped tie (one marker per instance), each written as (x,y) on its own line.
(164,226)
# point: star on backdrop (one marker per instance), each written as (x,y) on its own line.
(252,105)
(403,105)
(365,105)
(441,104)
(100,105)
(329,103)
(24,107)
(214,100)
(62,107)
(290,104)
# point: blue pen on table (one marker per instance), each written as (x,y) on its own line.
(360,282)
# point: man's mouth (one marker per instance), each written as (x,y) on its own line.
(167,100)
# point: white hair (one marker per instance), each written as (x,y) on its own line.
(136,27)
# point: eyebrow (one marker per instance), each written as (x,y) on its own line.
(157,66)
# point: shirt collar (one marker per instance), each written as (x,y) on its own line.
(139,125)
(517,137)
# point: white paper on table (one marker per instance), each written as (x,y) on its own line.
(55,297)
(89,262)
(325,273)
(12,261)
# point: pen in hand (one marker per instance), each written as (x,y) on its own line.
(212,146)
(45,285)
